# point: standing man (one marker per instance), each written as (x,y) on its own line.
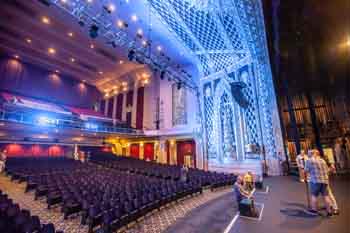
(3,158)
(184,173)
(301,159)
(317,170)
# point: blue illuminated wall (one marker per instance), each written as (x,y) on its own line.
(229,42)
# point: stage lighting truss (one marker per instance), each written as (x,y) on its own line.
(88,14)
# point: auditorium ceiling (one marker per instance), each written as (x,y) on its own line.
(191,38)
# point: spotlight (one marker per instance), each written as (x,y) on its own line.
(134,17)
(93,31)
(81,23)
(110,8)
(114,45)
(122,24)
(131,55)
(45,20)
(178,86)
(162,74)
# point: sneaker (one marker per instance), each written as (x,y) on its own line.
(329,215)
(312,212)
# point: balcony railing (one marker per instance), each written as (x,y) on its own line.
(61,123)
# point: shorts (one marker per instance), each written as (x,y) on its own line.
(318,188)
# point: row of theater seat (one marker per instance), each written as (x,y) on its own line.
(151,169)
(16,220)
(103,196)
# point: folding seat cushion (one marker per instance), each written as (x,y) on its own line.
(48,228)
(20,220)
(70,207)
(12,211)
(53,198)
(40,191)
(94,217)
(107,220)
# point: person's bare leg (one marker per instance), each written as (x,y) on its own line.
(328,203)
(313,203)
(332,198)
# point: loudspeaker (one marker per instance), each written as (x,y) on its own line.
(45,2)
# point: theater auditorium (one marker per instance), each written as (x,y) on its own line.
(155,116)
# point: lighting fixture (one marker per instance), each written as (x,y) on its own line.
(121,24)
(131,55)
(121,62)
(144,43)
(110,8)
(93,31)
(134,17)
(16,56)
(70,34)
(45,20)
(162,74)
(29,40)
(100,72)
(159,48)
(51,50)
(72,59)
(92,46)
(124,84)
(178,86)
(139,32)
(89,1)
(57,71)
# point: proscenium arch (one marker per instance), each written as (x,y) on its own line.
(224,87)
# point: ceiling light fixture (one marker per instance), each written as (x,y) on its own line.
(122,24)
(134,17)
(57,71)
(121,62)
(72,59)
(70,34)
(100,72)
(51,51)
(92,46)
(159,48)
(110,8)
(16,56)
(45,20)
(29,40)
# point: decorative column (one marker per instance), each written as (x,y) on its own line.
(134,106)
(162,156)
(114,106)
(124,110)
(173,152)
(142,150)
